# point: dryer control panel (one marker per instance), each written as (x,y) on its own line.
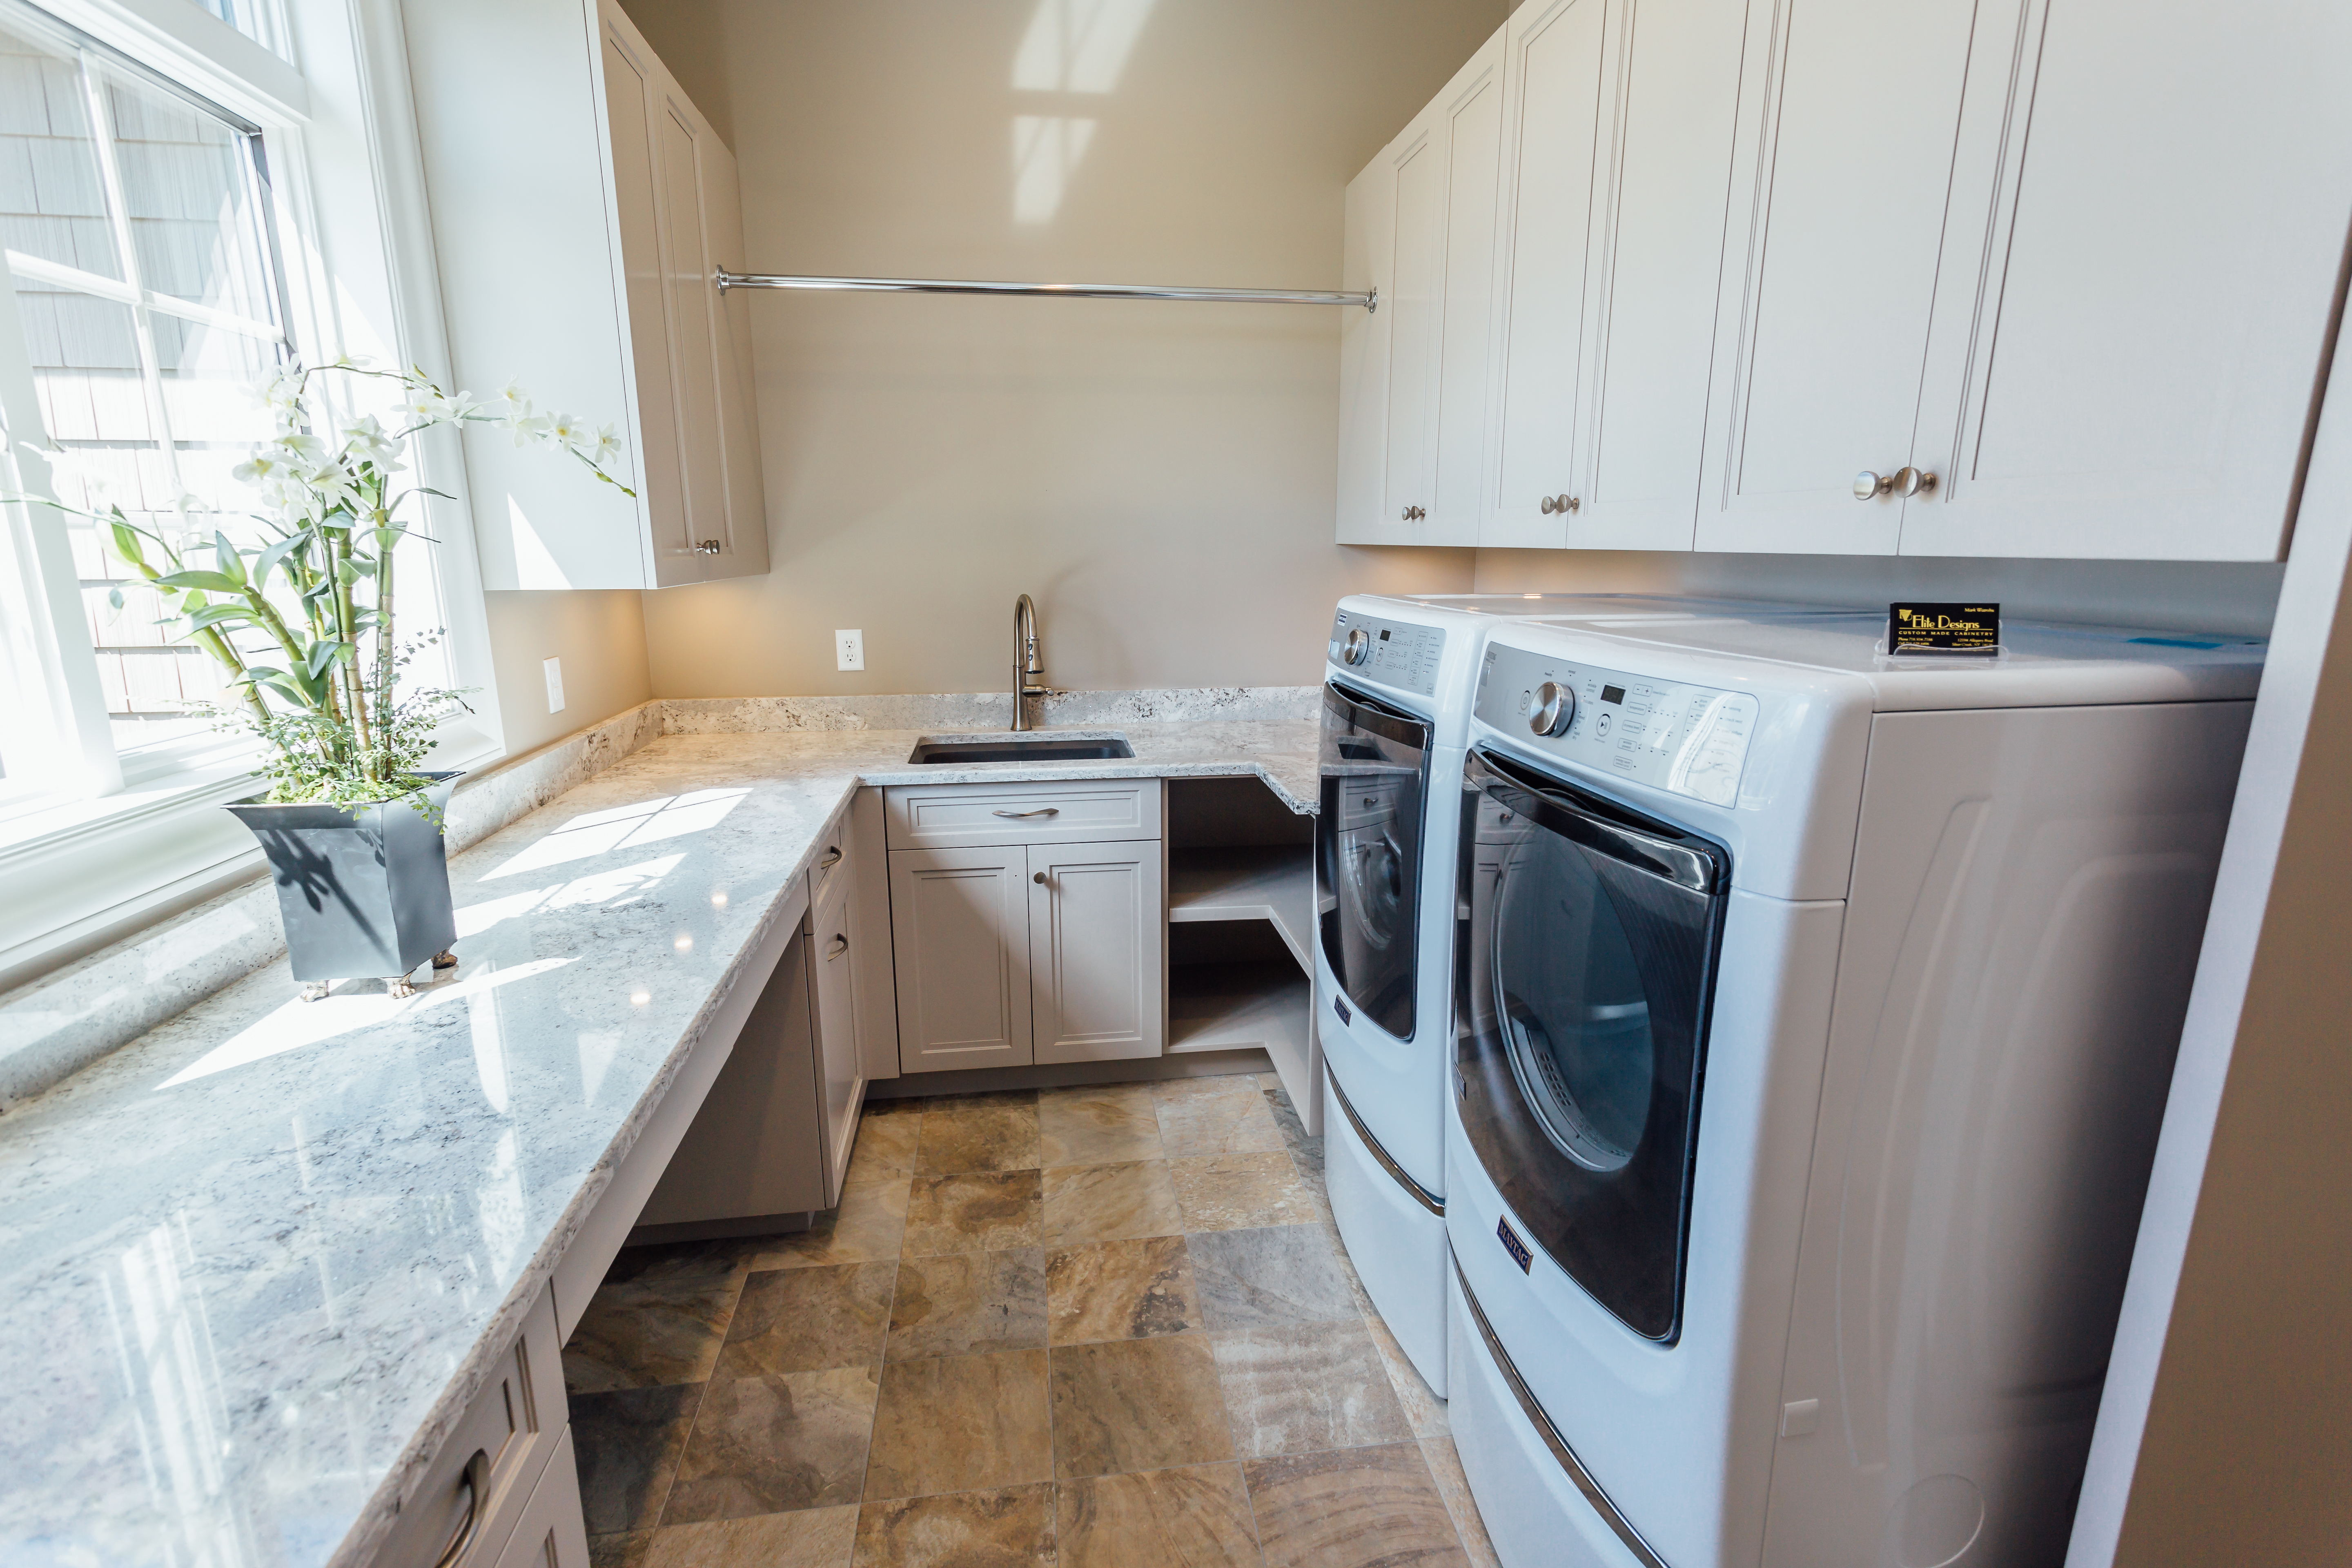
(1691,739)
(1394,653)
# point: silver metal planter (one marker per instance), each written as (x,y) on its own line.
(362,892)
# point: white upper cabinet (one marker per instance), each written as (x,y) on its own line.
(2146,220)
(1667,166)
(1557,78)
(580,210)
(1421,230)
(1842,163)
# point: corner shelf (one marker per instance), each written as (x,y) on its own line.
(1229,1006)
(1275,883)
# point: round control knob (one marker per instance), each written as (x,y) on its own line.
(1554,709)
(1358,648)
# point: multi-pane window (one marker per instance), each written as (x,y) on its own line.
(136,226)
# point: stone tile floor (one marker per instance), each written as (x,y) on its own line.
(1101,1326)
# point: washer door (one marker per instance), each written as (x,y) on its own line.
(1594,932)
(1375,767)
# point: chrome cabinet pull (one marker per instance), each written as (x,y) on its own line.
(832,858)
(1561,504)
(1041,811)
(840,945)
(707,547)
(478,1481)
(1414,514)
(1906,481)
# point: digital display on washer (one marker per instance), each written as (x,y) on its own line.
(1390,653)
(1691,739)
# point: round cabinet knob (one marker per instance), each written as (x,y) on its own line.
(1038,877)
(1358,648)
(1561,504)
(1909,482)
(1868,486)
(1555,710)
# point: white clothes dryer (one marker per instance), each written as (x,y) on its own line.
(1813,1031)
(1396,712)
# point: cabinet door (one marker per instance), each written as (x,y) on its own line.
(1415,299)
(1668,175)
(1849,112)
(1555,77)
(552,1532)
(840,1081)
(2145,225)
(1364,359)
(746,514)
(632,100)
(959,943)
(1096,978)
(1472,119)
(691,325)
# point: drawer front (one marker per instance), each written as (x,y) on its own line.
(947,816)
(514,1423)
(833,856)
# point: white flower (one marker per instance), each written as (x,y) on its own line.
(529,427)
(512,403)
(428,404)
(565,430)
(297,447)
(368,442)
(260,470)
(607,447)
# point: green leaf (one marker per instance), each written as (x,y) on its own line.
(218,582)
(325,654)
(229,559)
(214,615)
(126,541)
(114,597)
(269,559)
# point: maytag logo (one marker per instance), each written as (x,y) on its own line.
(1512,1245)
(1339,1006)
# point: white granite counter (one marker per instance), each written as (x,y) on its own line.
(255,1262)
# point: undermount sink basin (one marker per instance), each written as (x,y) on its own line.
(1015,749)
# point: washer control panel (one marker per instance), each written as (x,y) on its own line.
(1691,739)
(1394,653)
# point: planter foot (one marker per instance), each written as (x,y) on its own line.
(445,959)
(316,990)
(398,985)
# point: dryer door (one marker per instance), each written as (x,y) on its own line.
(1584,1026)
(1375,767)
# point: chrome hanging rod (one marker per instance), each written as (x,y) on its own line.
(1369,301)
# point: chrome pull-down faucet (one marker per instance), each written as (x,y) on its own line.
(1028,675)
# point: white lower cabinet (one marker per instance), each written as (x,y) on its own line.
(840,1075)
(552,1532)
(1096,980)
(1033,949)
(505,1470)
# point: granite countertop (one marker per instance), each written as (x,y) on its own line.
(256,1261)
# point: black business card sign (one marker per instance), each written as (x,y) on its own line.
(1943,628)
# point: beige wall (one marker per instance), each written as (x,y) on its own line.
(600,635)
(2187,596)
(1159,477)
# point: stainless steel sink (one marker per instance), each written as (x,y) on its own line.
(1010,749)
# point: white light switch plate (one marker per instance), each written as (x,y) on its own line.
(849,650)
(555,669)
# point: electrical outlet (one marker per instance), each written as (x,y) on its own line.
(849,650)
(554,669)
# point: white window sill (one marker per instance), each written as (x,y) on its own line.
(85,873)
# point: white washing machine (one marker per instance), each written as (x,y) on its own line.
(1813,1033)
(1396,712)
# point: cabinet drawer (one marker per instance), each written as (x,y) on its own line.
(514,1423)
(947,816)
(831,862)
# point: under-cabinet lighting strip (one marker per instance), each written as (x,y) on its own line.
(1369,301)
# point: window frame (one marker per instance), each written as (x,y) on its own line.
(105,849)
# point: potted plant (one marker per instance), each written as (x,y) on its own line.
(299,600)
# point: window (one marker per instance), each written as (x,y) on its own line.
(192,192)
(134,220)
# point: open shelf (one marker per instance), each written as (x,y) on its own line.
(1259,882)
(1228,1006)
